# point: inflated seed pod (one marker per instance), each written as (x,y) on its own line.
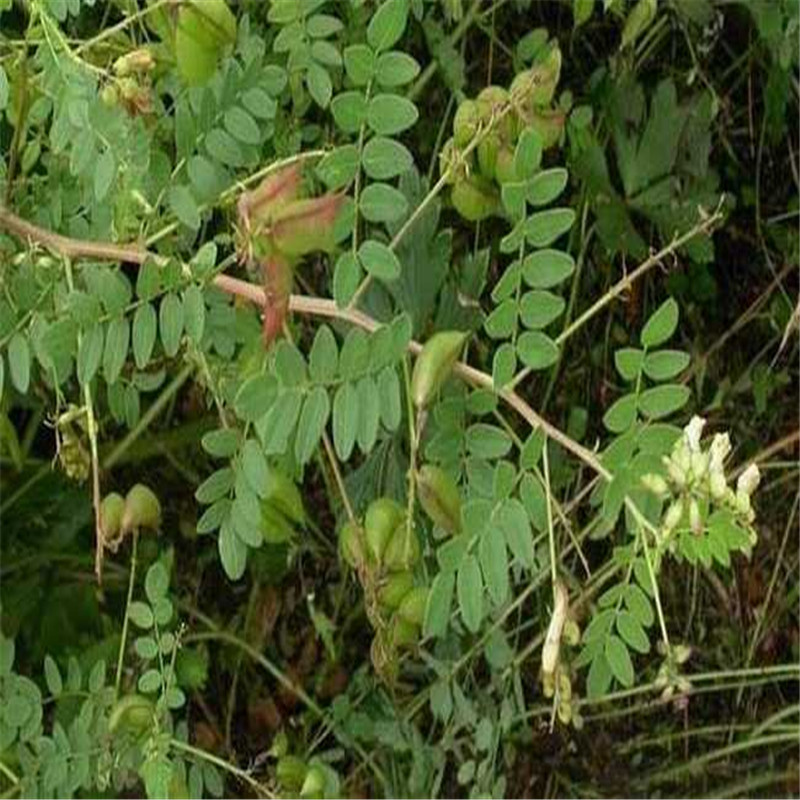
(439,497)
(475,198)
(314,783)
(433,365)
(111,511)
(394,589)
(412,609)
(504,171)
(352,544)
(403,550)
(404,633)
(487,155)
(280,490)
(275,528)
(291,772)
(452,163)
(466,122)
(142,509)
(382,517)
(536,87)
(491,102)
(132,714)
(549,124)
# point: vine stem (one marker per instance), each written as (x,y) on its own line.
(123,639)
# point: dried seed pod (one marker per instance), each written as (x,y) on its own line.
(412,609)
(142,509)
(433,365)
(382,517)
(352,544)
(403,550)
(111,511)
(257,208)
(466,122)
(475,198)
(394,589)
(439,497)
(552,641)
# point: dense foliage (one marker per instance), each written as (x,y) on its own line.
(398,398)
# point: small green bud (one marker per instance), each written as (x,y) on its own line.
(314,783)
(291,773)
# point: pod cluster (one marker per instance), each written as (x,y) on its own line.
(119,515)
(496,118)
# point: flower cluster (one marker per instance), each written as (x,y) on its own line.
(696,480)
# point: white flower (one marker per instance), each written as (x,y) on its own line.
(695,520)
(720,447)
(748,480)
(693,431)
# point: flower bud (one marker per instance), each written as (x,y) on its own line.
(748,480)
(742,503)
(439,497)
(699,465)
(677,474)
(433,365)
(720,447)
(717,484)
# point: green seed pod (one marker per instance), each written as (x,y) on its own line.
(404,633)
(282,492)
(504,171)
(291,772)
(142,509)
(487,156)
(131,714)
(382,517)
(433,365)
(395,589)
(549,124)
(275,528)
(475,198)
(452,163)
(314,783)
(466,122)
(111,511)
(403,550)
(535,87)
(205,29)
(352,545)
(412,609)
(491,102)
(439,497)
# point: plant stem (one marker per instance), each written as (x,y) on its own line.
(123,640)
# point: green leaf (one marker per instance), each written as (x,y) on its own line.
(184,207)
(349,111)
(663,400)
(512,520)
(379,261)
(500,324)
(390,114)
(632,632)
(396,69)
(582,11)
(278,424)
(544,227)
(215,486)
(440,600)
(246,519)
(537,350)
(665,364)
(156,582)
(19,362)
(538,309)
(221,443)
(359,63)
(547,268)
(104,173)
(145,326)
(387,24)
(3,89)
(145,647)
(255,397)
(384,158)
(259,103)
(52,676)
(622,414)
(323,360)
(214,516)
(203,177)
(504,365)
(380,202)
(90,353)
(493,557)
(368,413)
(545,187)
(619,660)
(469,587)
(319,84)
(487,441)
(255,468)
(338,168)
(638,604)
(242,126)
(224,148)
(313,419)
(346,277)
(389,398)
(628,362)
(321,26)
(345,420)
(599,678)
(528,154)
(170,319)
(141,615)
(232,552)
(116,350)
(661,325)
(194,313)
(149,682)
